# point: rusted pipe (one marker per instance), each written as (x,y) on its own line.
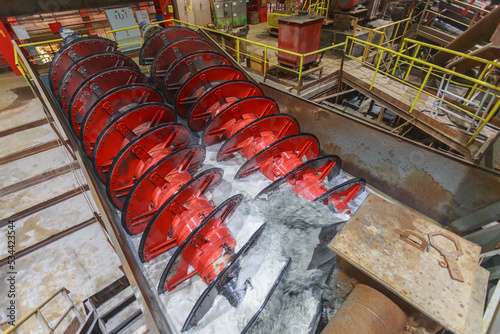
(476,33)
(366,311)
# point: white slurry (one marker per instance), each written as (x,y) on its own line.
(291,231)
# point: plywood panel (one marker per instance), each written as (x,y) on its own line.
(371,242)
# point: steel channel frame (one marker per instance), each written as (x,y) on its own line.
(154,315)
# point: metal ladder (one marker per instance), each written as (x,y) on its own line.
(481,107)
(320,7)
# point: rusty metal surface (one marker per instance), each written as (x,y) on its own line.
(438,185)
(29,7)
(481,30)
(371,242)
(367,311)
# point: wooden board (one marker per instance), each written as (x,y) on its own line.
(46,223)
(474,319)
(402,96)
(371,242)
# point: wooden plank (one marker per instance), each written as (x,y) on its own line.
(371,241)
(327,77)
(51,239)
(30,151)
(474,318)
(23,127)
(44,205)
(488,52)
(437,36)
(38,179)
(334,95)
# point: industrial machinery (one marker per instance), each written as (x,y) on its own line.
(155,178)
(219,100)
(145,160)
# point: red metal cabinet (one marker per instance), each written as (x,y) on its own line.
(301,34)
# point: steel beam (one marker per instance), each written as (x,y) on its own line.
(481,30)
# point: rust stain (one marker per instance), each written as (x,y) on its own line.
(387,175)
(23,96)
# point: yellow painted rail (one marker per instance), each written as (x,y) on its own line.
(386,61)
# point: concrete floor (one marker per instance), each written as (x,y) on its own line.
(84,261)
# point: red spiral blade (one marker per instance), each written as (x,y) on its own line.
(162,38)
(170,53)
(161,234)
(188,65)
(302,145)
(211,103)
(237,115)
(125,128)
(71,52)
(121,177)
(341,195)
(96,86)
(324,167)
(157,184)
(198,85)
(86,67)
(209,248)
(113,104)
(280,125)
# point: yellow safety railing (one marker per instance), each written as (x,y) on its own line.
(272,20)
(299,71)
(43,56)
(389,61)
(428,12)
(320,7)
(388,35)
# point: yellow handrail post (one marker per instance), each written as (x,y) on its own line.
(376,69)
(238,50)
(398,57)
(420,90)
(490,116)
(367,47)
(352,41)
(475,85)
(300,70)
(265,62)
(412,61)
